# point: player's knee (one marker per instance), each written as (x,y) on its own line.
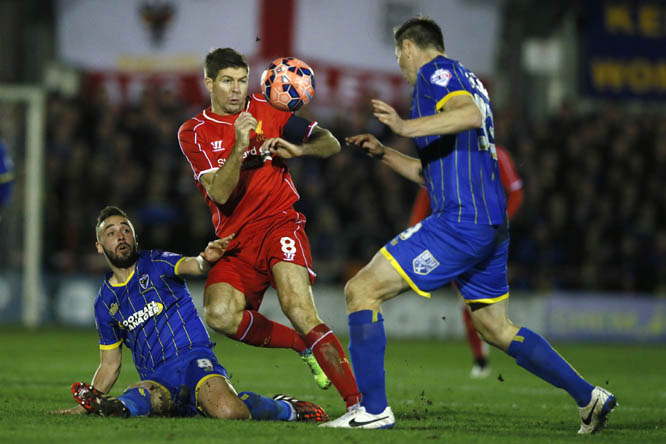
(220,410)
(222,320)
(359,294)
(160,398)
(495,331)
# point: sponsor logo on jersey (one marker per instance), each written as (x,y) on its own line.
(441,77)
(424,263)
(144,282)
(217,146)
(253,157)
(150,310)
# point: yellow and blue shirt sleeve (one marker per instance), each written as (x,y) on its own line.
(165,262)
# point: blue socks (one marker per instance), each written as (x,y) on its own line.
(266,409)
(137,401)
(367,344)
(535,355)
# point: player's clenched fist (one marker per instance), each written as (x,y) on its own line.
(368,143)
(244,123)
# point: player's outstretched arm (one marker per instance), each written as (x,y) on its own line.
(108,370)
(460,113)
(321,143)
(407,166)
(220,184)
(200,265)
(106,375)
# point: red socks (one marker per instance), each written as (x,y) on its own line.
(472,336)
(256,329)
(331,358)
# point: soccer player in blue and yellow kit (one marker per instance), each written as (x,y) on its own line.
(144,304)
(6,177)
(465,240)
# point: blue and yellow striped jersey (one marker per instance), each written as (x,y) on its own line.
(460,170)
(152,313)
(6,175)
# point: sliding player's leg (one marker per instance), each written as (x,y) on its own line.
(141,399)
(210,390)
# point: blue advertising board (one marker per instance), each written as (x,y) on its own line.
(605,318)
(623,51)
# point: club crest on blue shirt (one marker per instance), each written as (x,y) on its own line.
(144,282)
(441,77)
(424,263)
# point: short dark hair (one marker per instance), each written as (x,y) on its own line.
(107,212)
(221,58)
(423,31)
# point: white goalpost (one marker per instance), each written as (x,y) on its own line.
(34,98)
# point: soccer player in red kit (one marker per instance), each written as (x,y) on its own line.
(513,187)
(237,149)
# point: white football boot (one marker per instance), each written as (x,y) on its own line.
(593,416)
(479,372)
(357,418)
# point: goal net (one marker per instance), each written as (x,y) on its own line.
(22,130)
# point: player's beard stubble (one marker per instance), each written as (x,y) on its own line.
(123,260)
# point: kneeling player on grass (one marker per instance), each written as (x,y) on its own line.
(145,304)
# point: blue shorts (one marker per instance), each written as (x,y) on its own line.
(183,375)
(436,251)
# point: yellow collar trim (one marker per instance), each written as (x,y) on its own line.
(124,283)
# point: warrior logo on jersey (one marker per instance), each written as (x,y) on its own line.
(441,77)
(424,263)
(144,282)
(217,146)
(148,311)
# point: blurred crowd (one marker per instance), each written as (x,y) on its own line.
(592,218)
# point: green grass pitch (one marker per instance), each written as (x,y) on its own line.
(428,387)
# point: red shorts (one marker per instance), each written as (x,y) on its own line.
(258,246)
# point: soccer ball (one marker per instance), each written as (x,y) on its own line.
(288,83)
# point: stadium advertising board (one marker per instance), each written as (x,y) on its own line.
(623,53)
(605,318)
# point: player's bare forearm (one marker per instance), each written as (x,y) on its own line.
(407,166)
(458,114)
(322,143)
(450,121)
(201,265)
(221,184)
(108,369)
